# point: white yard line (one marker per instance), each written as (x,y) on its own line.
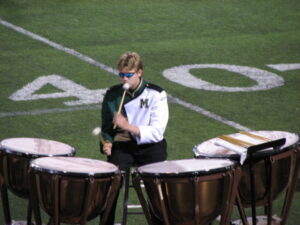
(285,67)
(108,69)
(47,111)
(58,46)
(207,113)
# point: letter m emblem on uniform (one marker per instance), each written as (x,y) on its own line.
(144,103)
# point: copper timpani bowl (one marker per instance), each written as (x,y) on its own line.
(15,156)
(190,191)
(73,189)
(280,162)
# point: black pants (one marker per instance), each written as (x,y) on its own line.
(127,154)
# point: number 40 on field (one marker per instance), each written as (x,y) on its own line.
(180,74)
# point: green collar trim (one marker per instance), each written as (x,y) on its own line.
(138,90)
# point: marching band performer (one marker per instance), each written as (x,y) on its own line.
(136,133)
(134,118)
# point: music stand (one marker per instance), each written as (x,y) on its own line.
(275,144)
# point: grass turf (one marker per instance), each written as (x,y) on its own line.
(166,34)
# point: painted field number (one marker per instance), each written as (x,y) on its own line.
(180,74)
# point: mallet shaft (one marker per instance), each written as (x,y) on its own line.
(121,105)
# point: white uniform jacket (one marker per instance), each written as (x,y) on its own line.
(146,108)
(150,113)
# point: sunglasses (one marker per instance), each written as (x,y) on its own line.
(128,75)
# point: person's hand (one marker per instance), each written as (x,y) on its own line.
(120,121)
(107,146)
(123,123)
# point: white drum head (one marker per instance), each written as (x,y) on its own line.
(73,165)
(36,146)
(211,147)
(186,166)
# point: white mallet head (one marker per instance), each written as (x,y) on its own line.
(96,131)
(126,86)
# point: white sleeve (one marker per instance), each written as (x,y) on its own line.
(159,116)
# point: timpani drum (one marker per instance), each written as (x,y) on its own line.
(16,154)
(188,191)
(73,190)
(273,168)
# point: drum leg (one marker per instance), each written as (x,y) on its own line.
(33,199)
(241,210)
(162,203)
(5,204)
(269,181)
(87,200)
(291,189)
(29,213)
(55,198)
(111,198)
(125,202)
(233,196)
(136,180)
(252,186)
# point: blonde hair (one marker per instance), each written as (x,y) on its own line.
(130,61)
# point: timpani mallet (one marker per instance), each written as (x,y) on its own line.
(126,86)
(97,132)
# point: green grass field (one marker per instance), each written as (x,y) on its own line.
(84,40)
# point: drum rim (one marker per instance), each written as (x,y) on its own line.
(35,155)
(72,174)
(190,173)
(256,155)
(39,169)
